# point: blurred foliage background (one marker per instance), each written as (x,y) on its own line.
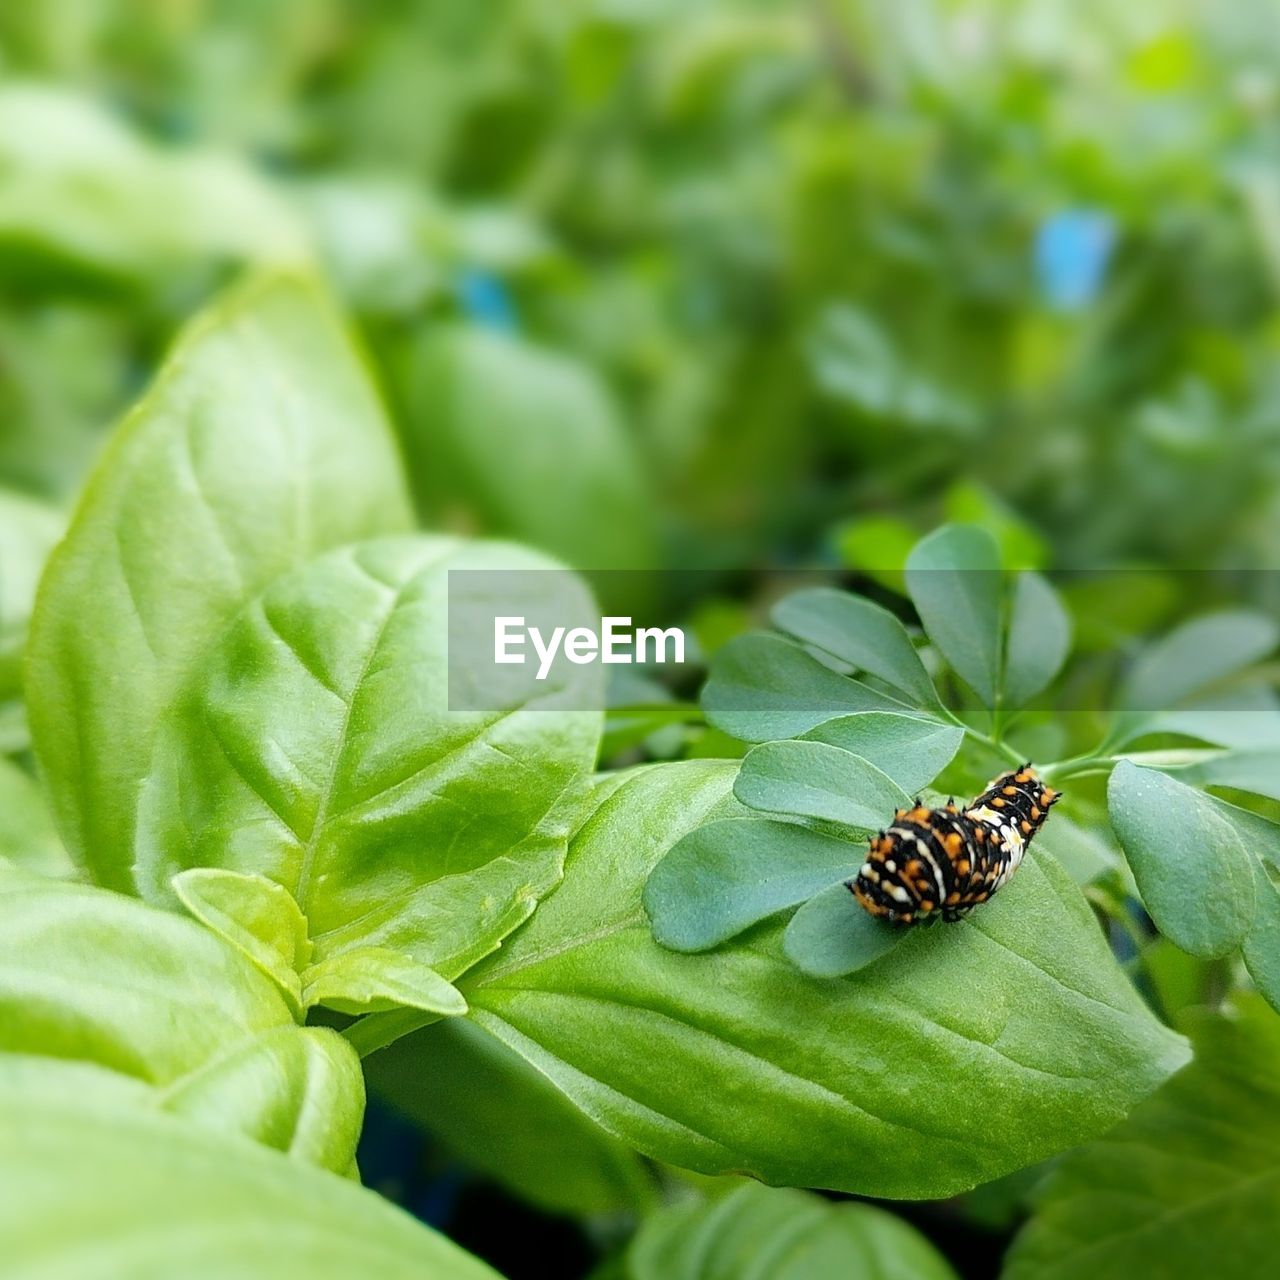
(732,285)
(698,283)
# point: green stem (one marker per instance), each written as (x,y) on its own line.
(377,1030)
(994,744)
(1077,766)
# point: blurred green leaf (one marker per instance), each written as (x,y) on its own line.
(95,1190)
(1021,546)
(1256,771)
(506,438)
(27,835)
(877,546)
(1197,654)
(783,1234)
(953,577)
(1083,851)
(1188,1185)
(501,1116)
(177,530)
(732,1060)
(81,193)
(28,532)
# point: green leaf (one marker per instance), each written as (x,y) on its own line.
(1261,947)
(374,980)
(502,1117)
(315,745)
(1256,771)
(260,445)
(1195,655)
(1192,866)
(1039,639)
(1021,546)
(814,780)
(84,197)
(1083,852)
(497,424)
(93,1190)
(28,532)
(953,577)
(27,836)
(877,546)
(724,876)
(298,1090)
(755,1232)
(1188,1185)
(733,1060)
(256,916)
(909,750)
(859,633)
(1244,718)
(763,687)
(831,935)
(99,979)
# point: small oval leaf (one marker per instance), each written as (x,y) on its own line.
(831,935)
(859,633)
(763,687)
(814,780)
(953,577)
(909,749)
(1192,867)
(725,876)
(1039,638)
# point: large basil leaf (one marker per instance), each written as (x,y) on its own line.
(101,980)
(490,1107)
(315,746)
(766,1233)
(260,445)
(95,1191)
(1188,1185)
(970,1050)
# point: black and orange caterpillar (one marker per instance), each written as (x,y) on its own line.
(948,860)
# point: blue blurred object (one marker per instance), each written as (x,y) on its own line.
(486,300)
(1072,249)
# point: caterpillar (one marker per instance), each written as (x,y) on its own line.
(946,861)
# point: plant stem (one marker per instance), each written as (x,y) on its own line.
(994,744)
